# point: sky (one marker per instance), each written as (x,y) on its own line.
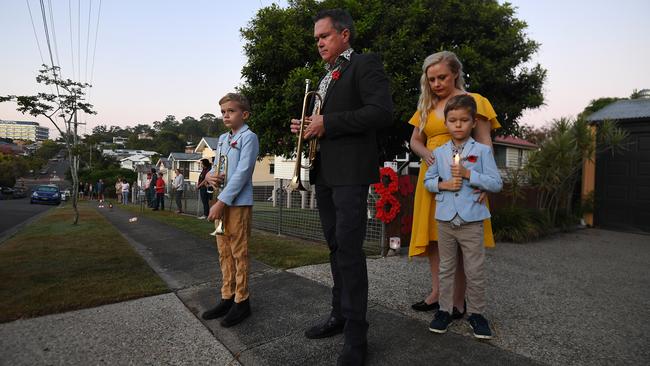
(155,58)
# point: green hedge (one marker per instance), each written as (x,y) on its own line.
(520,225)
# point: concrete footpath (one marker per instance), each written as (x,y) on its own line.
(284,304)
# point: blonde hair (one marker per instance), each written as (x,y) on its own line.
(237,98)
(428,100)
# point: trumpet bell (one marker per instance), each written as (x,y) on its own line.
(296,184)
(219,228)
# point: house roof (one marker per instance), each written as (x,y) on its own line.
(165,162)
(515,142)
(136,157)
(211,142)
(623,109)
(184,156)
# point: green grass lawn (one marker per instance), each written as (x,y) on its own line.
(53,266)
(277,251)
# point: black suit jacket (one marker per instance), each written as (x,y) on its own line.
(355,106)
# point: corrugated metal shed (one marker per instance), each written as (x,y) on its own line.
(622,110)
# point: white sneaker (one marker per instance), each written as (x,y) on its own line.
(202,217)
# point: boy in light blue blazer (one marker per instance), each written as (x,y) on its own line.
(234,207)
(462,168)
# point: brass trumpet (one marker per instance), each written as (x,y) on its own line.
(222,166)
(296,182)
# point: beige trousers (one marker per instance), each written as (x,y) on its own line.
(470,239)
(233,252)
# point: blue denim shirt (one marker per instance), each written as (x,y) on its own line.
(484,176)
(241,149)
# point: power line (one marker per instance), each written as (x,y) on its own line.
(49,47)
(79,39)
(92,68)
(53,27)
(71,38)
(90,7)
(40,53)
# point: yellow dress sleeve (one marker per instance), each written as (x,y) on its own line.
(484,109)
(415,120)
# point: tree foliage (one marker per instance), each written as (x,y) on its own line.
(488,38)
(61,110)
(11,167)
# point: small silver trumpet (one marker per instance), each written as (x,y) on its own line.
(222,167)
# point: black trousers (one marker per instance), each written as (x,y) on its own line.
(160,201)
(343,211)
(205,200)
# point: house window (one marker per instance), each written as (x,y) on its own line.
(272,168)
(500,156)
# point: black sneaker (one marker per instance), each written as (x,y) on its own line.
(456,314)
(480,326)
(239,312)
(220,310)
(440,322)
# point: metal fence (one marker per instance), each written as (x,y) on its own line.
(280,210)
(295,213)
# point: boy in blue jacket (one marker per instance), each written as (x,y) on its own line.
(462,168)
(234,206)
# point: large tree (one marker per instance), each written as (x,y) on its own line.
(488,38)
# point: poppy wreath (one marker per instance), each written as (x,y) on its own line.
(387,208)
(388,182)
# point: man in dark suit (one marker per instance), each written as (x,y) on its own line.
(356,102)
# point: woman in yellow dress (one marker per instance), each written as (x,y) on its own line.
(442,79)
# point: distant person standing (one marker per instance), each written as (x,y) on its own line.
(177,184)
(203,188)
(125,191)
(145,189)
(118,189)
(100,190)
(160,193)
(152,188)
(81,190)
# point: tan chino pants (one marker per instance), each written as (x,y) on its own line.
(233,252)
(469,237)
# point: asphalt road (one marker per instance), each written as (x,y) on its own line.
(16,211)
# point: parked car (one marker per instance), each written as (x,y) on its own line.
(46,194)
(20,192)
(6,193)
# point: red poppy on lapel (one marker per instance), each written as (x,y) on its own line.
(472,158)
(233,144)
(336,74)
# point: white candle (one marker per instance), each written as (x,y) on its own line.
(456,159)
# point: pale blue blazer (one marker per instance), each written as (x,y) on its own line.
(484,176)
(242,151)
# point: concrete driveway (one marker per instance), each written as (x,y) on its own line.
(578,298)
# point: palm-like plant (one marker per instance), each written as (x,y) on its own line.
(557,165)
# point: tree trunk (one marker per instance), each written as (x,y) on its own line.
(74,172)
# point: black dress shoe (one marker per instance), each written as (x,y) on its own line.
(220,310)
(353,355)
(332,326)
(423,306)
(238,312)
